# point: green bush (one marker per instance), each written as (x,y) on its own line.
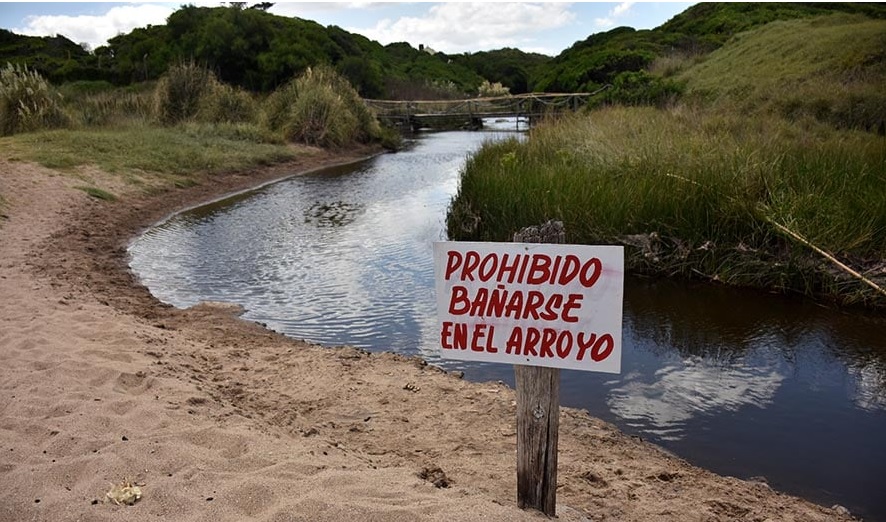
(178,94)
(642,88)
(320,117)
(275,108)
(27,102)
(321,108)
(226,104)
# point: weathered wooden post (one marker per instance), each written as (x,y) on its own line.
(538,411)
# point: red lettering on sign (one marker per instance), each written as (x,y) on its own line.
(472,260)
(532,338)
(479,332)
(478,307)
(458,301)
(573,303)
(600,347)
(461,337)
(540,271)
(548,338)
(514,345)
(595,267)
(533,269)
(445,334)
(564,344)
(536,299)
(453,260)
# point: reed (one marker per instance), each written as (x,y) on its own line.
(110,108)
(691,192)
(28,101)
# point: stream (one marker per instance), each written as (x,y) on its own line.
(740,382)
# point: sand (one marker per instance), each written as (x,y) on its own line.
(217,419)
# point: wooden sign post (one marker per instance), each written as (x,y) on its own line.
(538,423)
(538,411)
(540,305)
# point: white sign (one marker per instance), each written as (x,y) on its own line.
(536,304)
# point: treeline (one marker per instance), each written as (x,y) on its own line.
(256,50)
(243,47)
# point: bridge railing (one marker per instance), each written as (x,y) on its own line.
(534,104)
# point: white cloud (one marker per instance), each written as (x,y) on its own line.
(621,9)
(301,9)
(460,27)
(95,30)
(614,14)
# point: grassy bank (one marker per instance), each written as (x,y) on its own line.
(692,194)
(136,151)
(167,133)
(729,186)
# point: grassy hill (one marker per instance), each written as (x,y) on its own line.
(829,68)
(704,27)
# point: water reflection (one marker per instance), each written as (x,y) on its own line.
(678,392)
(736,347)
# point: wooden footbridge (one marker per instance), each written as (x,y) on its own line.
(469,113)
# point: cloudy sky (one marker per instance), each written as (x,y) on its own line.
(451,27)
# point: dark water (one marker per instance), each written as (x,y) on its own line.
(742,383)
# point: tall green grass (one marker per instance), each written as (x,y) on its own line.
(691,192)
(187,123)
(110,107)
(317,108)
(27,101)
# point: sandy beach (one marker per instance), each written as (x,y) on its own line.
(218,419)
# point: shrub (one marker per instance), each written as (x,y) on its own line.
(275,109)
(642,88)
(320,108)
(178,94)
(320,117)
(487,89)
(27,102)
(226,104)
